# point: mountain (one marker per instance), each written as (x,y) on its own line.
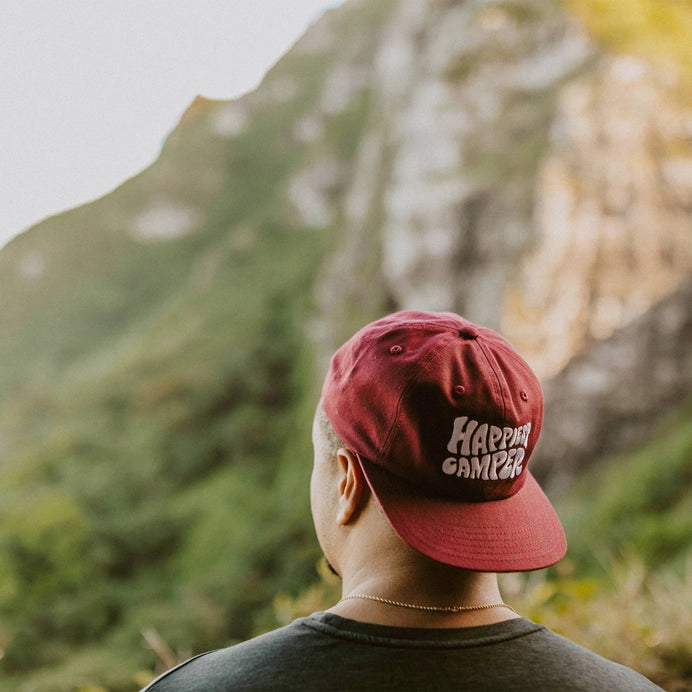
(510,160)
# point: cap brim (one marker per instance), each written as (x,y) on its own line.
(517,534)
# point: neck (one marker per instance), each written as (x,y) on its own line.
(373,560)
(418,592)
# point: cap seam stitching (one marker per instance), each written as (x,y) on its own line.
(498,384)
(418,366)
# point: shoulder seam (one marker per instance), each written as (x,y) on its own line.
(150,686)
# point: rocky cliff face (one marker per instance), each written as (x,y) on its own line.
(611,396)
(613,196)
(484,156)
(514,171)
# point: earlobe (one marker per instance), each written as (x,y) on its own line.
(351,486)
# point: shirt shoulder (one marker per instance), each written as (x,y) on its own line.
(547,654)
(232,666)
(325,651)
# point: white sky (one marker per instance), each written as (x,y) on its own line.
(90,89)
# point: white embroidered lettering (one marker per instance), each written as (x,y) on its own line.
(479,467)
(461,433)
(464,468)
(485,452)
(506,470)
(449,466)
(494,436)
(478,442)
(517,468)
(497,460)
(506,435)
(521,439)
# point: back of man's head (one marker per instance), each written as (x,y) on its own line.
(443,416)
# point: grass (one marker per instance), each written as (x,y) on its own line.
(632,614)
(638,501)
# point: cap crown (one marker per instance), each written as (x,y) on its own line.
(446,406)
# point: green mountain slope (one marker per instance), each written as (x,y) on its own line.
(158,393)
(160,367)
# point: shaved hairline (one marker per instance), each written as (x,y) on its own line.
(333,443)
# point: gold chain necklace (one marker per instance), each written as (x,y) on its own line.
(436,609)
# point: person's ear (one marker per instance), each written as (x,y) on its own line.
(351,486)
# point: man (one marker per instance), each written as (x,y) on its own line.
(420,494)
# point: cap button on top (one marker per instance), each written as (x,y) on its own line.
(468,332)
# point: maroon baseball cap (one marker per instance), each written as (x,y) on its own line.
(443,416)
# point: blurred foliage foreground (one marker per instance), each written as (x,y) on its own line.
(624,589)
(154,503)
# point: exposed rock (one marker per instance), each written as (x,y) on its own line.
(612,213)
(309,192)
(609,397)
(308,129)
(32,265)
(342,84)
(513,171)
(462,105)
(523,178)
(164,220)
(319,38)
(230,120)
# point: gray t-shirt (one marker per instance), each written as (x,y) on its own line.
(328,652)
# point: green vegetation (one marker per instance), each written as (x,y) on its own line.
(156,407)
(637,502)
(634,614)
(158,398)
(622,587)
(153,487)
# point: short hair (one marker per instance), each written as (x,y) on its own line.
(333,443)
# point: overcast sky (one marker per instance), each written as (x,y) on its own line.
(91,89)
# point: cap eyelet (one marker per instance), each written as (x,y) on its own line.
(460,390)
(524,396)
(394,350)
(468,331)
